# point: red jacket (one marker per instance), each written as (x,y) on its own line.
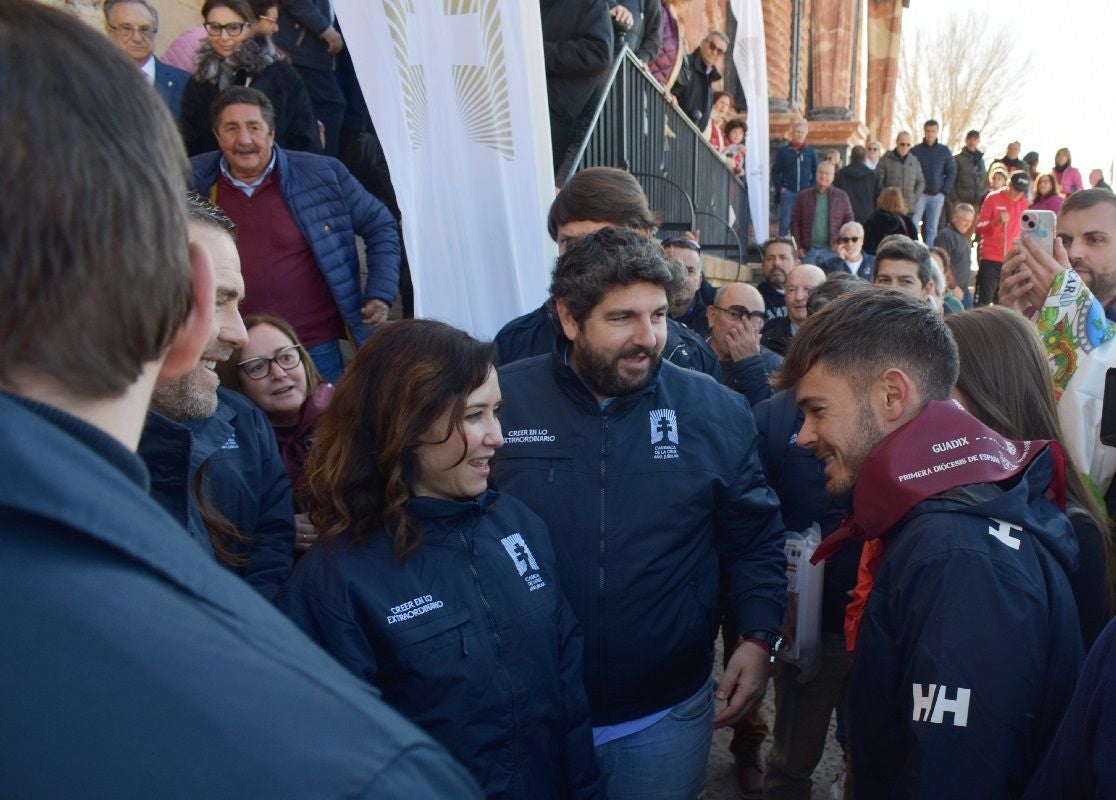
(802,217)
(994,244)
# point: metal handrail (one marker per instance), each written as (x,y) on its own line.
(635,126)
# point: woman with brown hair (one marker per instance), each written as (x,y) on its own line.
(1005,383)
(890,217)
(234,54)
(438,591)
(275,372)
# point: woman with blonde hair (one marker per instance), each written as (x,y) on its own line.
(1067,176)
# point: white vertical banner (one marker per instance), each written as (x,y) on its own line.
(749,55)
(457,92)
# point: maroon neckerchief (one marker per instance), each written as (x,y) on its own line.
(900,473)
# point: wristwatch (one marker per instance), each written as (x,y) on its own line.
(771,642)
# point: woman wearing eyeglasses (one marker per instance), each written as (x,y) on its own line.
(274,372)
(238,51)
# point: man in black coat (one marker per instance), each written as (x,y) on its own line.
(308,34)
(861,183)
(577,49)
(638,24)
(694,87)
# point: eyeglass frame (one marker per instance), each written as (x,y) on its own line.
(848,239)
(226,28)
(738,316)
(683,242)
(146,31)
(272,360)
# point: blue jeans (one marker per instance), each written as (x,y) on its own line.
(327,358)
(928,207)
(786,208)
(818,256)
(663,762)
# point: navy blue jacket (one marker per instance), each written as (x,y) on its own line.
(799,480)
(969,646)
(938,167)
(751,376)
(331,209)
(774,301)
(170,83)
(837,264)
(133,666)
(301,22)
(244,478)
(1079,763)
(793,169)
(645,499)
(534,333)
(470,638)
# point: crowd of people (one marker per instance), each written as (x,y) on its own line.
(451,568)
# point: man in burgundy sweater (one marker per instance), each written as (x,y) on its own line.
(297,217)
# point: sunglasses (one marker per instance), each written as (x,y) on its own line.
(902,144)
(848,239)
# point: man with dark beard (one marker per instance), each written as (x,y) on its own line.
(212,455)
(963,623)
(647,477)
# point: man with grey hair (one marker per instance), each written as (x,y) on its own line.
(800,282)
(901,169)
(850,257)
(132,26)
(694,86)
(133,665)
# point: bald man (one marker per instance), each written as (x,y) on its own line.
(800,281)
(735,321)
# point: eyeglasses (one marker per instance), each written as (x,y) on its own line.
(874,149)
(682,241)
(259,367)
(716,48)
(902,144)
(128,31)
(233,29)
(848,239)
(737,313)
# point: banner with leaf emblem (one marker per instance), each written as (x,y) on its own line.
(457,92)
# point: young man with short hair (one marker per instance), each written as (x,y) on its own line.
(905,265)
(964,627)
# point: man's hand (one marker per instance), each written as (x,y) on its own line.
(374,312)
(334,43)
(622,18)
(1028,273)
(843,250)
(740,342)
(743,684)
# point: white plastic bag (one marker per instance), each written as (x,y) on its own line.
(802,618)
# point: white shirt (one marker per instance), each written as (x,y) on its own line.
(148,69)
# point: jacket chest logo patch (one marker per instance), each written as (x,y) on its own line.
(231,443)
(524,560)
(664,433)
(931,706)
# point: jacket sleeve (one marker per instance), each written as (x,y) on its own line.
(950,176)
(798,226)
(271,554)
(844,209)
(306,599)
(988,219)
(306,12)
(585,780)
(197,130)
(1079,762)
(299,128)
(748,376)
(750,537)
(966,701)
(375,224)
(652,31)
(588,52)
(920,179)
